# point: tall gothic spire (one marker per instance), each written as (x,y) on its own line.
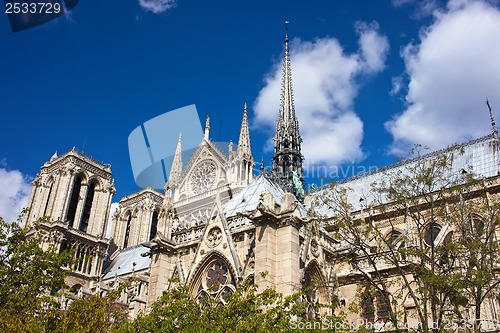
(244,140)
(176,169)
(287,159)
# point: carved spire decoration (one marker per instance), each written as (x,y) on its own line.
(244,140)
(287,159)
(176,169)
(207,128)
(242,158)
(54,156)
(493,125)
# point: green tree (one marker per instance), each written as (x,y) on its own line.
(29,279)
(476,243)
(246,310)
(414,241)
(93,314)
(32,280)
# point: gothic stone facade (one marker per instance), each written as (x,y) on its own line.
(216,224)
(219,235)
(75,191)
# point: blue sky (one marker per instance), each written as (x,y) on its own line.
(371,78)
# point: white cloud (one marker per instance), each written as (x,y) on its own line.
(425,9)
(325,83)
(157,6)
(421,8)
(397,85)
(373,46)
(399,3)
(14,193)
(451,71)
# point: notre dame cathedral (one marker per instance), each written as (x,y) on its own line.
(216,224)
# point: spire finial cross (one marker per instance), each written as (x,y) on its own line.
(286,30)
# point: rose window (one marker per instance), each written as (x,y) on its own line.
(203,177)
(217,275)
(217,283)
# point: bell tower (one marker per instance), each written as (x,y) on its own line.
(71,196)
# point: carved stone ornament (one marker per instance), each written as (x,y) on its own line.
(203,177)
(214,237)
(38,180)
(314,248)
(70,166)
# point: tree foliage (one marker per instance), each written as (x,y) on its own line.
(93,314)
(29,278)
(427,238)
(425,246)
(32,283)
(246,311)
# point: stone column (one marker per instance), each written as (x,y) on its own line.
(65,196)
(162,268)
(31,203)
(81,205)
(134,227)
(108,193)
(57,197)
(118,230)
(265,255)
(287,259)
(95,219)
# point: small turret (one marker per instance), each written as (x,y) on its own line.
(242,160)
(244,150)
(176,169)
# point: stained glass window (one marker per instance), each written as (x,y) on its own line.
(216,282)
(217,275)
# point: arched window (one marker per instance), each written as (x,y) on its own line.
(368,308)
(396,244)
(65,245)
(375,305)
(476,227)
(87,207)
(444,257)
(315,294)
(127,230)
(154,225)
(431,233)
(286,144)
(395,240)
(73,202)
(383,306)
(215,282)
(310,296)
